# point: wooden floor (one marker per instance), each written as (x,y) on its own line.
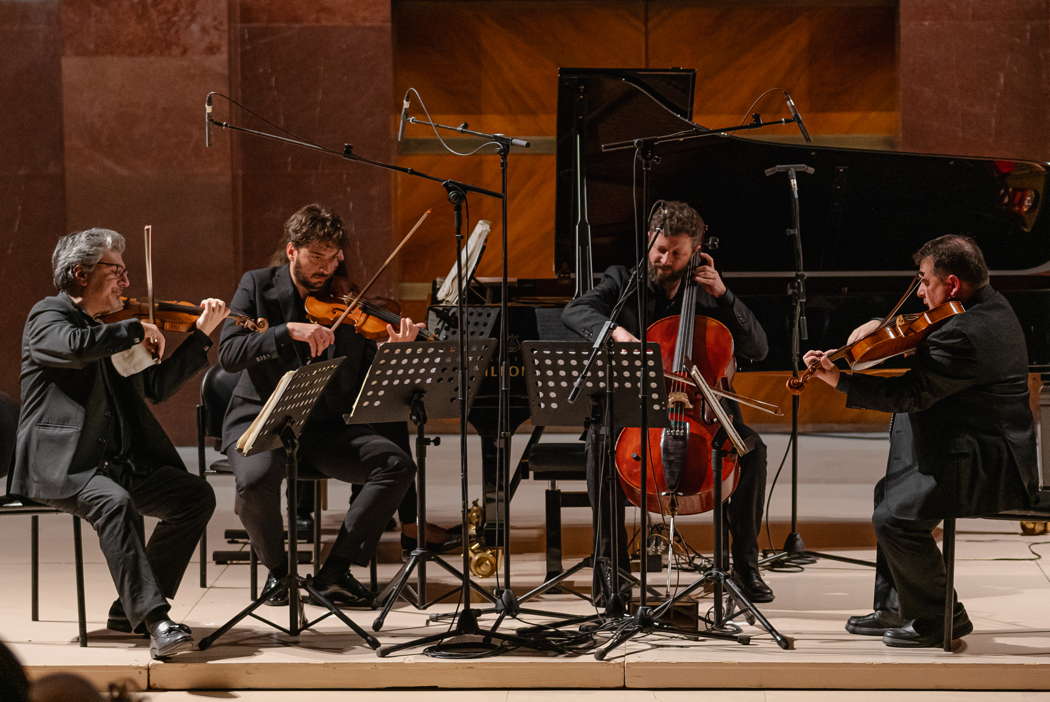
(1000,577)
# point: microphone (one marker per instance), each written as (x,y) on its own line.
(797,117)
(404,117)
(207,121)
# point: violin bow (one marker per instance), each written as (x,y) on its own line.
(904,298)
(353,303)
(147,234)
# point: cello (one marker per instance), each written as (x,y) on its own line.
(680,479)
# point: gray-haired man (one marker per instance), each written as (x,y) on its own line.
(88,444)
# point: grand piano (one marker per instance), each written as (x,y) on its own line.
(863,213)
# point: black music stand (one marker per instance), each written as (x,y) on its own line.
(647,619)
(552,368)
(413,378)
(406,376)
(282,428)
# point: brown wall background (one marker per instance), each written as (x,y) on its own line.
(103,124)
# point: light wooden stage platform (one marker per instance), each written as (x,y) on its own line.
(1004,586)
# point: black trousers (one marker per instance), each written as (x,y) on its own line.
(909,569)
(146,575)
(354,454)
(743,510)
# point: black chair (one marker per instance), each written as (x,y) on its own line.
(553,462)
(16,506)
(217,388)
(1038,512)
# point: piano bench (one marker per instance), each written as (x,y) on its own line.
(1038,512)
(553,462)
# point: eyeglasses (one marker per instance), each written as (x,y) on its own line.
(119,270)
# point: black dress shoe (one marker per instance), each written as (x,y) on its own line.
(752,585)
(117,620)
(875,624)
(280,597)
(167,638)
(345,591)
(924,634)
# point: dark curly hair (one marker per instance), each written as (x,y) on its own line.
(674,218)
(309,224)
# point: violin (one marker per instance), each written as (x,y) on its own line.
(174,315)
(898,337)
(368,318)
(680,478)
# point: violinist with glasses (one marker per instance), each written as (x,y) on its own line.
(314,239)
(962,438)
(679,234)
(88,444)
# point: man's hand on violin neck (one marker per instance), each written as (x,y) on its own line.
(319,338)
(822,366)
(153,339)
(407,332)
(214,311)
(708,278)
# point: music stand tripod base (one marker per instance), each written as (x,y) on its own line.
(417,379)
(282,428)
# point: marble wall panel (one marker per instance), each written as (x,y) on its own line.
(127,115)
(32,208)
(154,28)
(358,13)
(328,85)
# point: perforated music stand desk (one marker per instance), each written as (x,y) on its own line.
(283,427)
(551,368)
(420,380)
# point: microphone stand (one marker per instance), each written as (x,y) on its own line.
(795,552)
(506,602)
(466,620)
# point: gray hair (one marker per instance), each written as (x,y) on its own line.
(83,249)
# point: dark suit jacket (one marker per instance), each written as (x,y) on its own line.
(263,358)
(967,417)
(63,417)
(586,314)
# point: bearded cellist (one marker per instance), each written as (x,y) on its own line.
(679,234)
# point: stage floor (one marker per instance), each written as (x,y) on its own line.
(999,577)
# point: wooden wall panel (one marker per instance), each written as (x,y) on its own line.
(494,64)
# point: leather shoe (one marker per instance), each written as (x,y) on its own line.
(439,540)
(280,597)
(925,634)
(752,585)
(117,620)
(167,638)
(876,623)
(345,591)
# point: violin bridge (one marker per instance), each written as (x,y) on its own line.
(679,399)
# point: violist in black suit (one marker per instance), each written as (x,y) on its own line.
(962,441)
(679,232)
(314,238)
(88,444)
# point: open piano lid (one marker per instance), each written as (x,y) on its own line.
(862,212)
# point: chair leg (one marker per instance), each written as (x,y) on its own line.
(317,527)
(948,549)
(552,509)
(34,567)
(253,570)
(78,557)
(201,471)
